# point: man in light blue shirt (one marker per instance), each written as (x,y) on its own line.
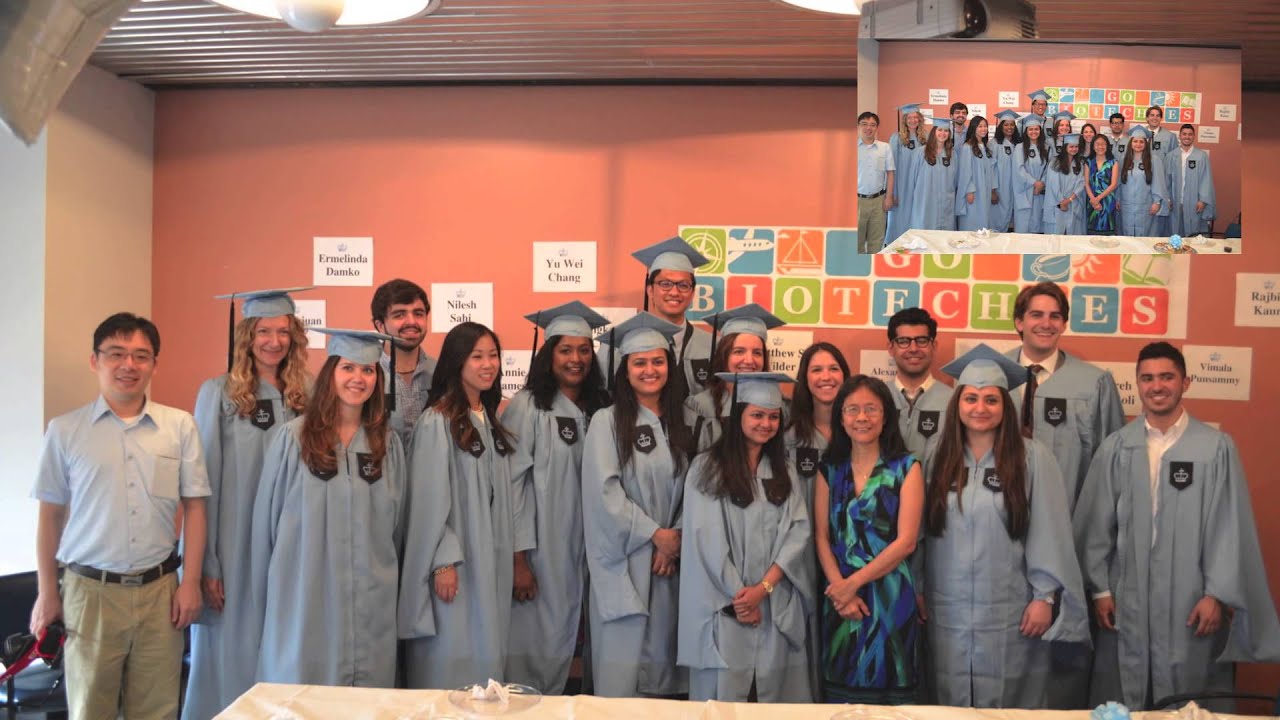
(111,477)
(875,184)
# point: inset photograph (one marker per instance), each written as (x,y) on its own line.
(1049,147)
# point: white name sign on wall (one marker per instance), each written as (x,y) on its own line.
(455,303)
(342,261)
(564,267)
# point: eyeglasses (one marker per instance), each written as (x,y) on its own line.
(919,340)
(683,286)
(853,411)
(116,356)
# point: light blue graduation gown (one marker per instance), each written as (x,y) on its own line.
(1197,187)
(933,200)
(325,559)
(977,175)
(906,160)
(632,611)
(222,663)
(723,549)
(463,510)
(1028,208)
(1075,410)
(1002,213)
(1058,187)
(923,421)
(979,581)
(806,462)
(1163,144)
(1136,196)
(704,419)
(1205,544)
(547,461)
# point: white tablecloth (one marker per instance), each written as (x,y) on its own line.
(313,702)
(940,241)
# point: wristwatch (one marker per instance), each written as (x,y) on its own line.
(768,586)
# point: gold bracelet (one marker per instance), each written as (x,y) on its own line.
(768,586)
(439,570)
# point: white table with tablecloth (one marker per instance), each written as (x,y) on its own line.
(314,702)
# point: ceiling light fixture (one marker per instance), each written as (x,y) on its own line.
(835,7)
(320,15)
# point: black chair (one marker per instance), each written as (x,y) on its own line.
(1184,698)
(38,687)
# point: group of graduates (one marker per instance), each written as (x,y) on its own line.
(393,522)
(1038,174)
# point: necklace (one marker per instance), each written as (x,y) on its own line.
(862,471)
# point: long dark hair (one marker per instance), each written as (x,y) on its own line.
(541,381)
(1066,164)
(319,435)
(1014,139)
(1039,143)
(720,363)
(729,474)
(1128,161)
(948,472)
(1086,148)
(975,143)
(627,408)
(802,400)
(892,446)
(449,398)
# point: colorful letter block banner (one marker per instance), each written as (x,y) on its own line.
(812,277)
(1100,103)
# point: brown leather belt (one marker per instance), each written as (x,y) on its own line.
(135,579)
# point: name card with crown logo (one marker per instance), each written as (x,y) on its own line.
(342,261)
(564,267)
(459,303)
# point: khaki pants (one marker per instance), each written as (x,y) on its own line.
(871,224)
(122,653)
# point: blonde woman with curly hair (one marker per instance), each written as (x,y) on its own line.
(266,386)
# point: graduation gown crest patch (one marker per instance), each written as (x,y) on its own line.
(498,443)
(477,448)
(567,429)
(946,162)
(1181,475)
(911,144)
(1155,145)
(370,470)
(263,416)
(645,439)
(807,461)
(1119,148)
(990,480)
(1055,411)
(1191,164)
(928,422)
(701,370)
(1008,149)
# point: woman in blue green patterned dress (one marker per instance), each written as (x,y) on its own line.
(867,509)
(1104,172)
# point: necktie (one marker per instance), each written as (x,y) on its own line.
(1029,400)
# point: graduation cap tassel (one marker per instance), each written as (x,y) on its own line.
(231,335)
(611,373)
(536,323)
(646,293)
(391,380)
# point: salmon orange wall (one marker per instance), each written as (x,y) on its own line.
(454,184)
(975,72)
